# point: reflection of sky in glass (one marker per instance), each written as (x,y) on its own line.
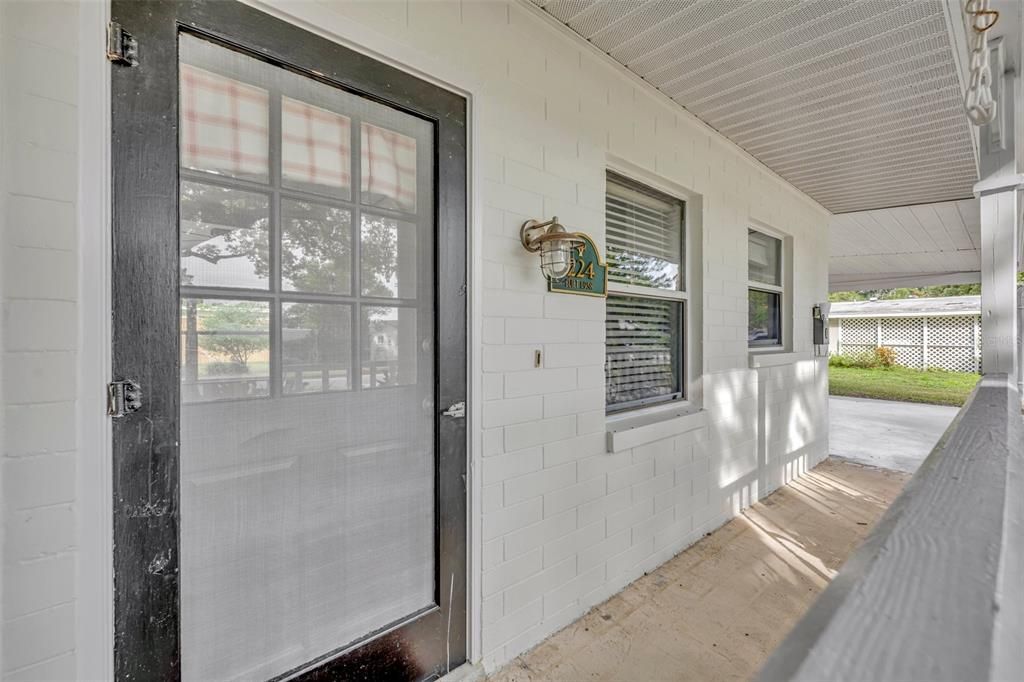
(224,237)
(234,270)
(635,268)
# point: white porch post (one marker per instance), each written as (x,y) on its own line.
(1000,215)
(999,192)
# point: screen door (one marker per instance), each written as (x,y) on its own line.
(312,515)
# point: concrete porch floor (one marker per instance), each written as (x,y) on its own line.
(718,609)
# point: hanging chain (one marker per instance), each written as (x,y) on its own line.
(978,102)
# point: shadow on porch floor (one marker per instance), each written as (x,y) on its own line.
(715,611)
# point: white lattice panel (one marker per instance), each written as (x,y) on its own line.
(902,331)
(951,331)
(858,349)
(909,356)
(858,331)
(953,359)
(950,340)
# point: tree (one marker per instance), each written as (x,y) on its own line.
(316,240)
(236,329)
(936,291)
(317,255)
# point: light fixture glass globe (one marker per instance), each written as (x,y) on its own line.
(556,258)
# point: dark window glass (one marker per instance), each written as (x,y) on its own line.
(764,318)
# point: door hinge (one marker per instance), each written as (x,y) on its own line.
(123,397)
(122,48)
(458,410)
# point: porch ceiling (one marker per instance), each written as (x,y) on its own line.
(906,246)
(858,104)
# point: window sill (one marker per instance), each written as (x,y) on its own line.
(629,431)
(775,358)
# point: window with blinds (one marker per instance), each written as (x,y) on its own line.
(644,233)
(644,326)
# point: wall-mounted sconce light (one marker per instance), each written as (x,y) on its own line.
(553,242)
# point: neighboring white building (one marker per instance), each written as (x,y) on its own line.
(943,333)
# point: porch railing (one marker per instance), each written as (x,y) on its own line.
(936,591)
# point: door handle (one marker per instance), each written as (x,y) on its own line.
(456,411)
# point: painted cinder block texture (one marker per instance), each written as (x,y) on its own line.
(38,96)
(564,524)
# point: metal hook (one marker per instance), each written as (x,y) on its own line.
(983,14)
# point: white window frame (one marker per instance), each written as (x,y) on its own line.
(784,290)
(689,353)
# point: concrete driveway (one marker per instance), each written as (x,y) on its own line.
(885,433)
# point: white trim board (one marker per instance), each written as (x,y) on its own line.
(94,609)
(920,313)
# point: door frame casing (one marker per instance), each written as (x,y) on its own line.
(144,20)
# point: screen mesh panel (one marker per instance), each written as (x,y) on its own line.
(307,424)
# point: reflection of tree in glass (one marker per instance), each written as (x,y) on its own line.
(760,317)
(316,253)
(641,269)
(328,334)
(379,255)
(238,218)
(236,329)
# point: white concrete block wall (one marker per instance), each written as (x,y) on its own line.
(39,294)
(564,524)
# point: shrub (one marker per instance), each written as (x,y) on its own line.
(862,360)
(222,368)
(885,356)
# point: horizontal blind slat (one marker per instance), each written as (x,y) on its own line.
(643,346)
(643,233)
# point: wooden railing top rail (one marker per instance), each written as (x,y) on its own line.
(936,592)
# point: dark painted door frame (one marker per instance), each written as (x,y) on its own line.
(145,317)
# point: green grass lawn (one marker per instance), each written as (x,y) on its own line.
(899,383)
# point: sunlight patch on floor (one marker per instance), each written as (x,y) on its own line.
(716,610)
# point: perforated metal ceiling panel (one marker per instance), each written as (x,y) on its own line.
(857,103)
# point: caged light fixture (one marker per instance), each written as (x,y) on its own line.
(554,244)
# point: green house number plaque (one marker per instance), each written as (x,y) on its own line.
(588,275)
